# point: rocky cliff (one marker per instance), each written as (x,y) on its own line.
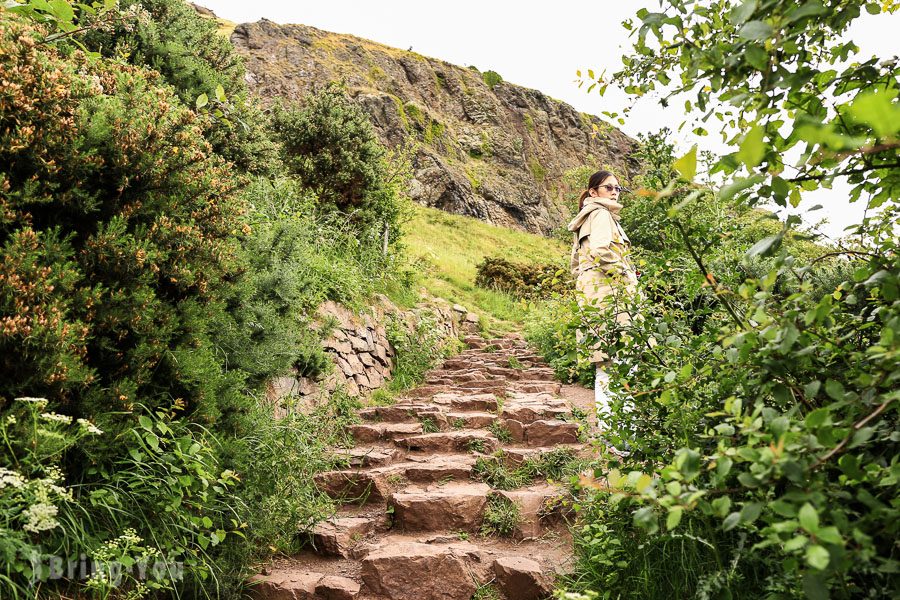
(484,147)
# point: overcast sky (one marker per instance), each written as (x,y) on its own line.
(539,45)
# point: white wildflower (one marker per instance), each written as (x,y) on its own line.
(89,427)
(41,517)
(10,479)
(11,420)
(41,402)
(52,416)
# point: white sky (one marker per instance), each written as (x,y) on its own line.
(541,46)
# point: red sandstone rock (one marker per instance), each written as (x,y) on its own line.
(522,578)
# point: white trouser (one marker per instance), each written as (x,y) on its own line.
(602,401)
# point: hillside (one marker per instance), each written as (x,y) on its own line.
(446,249)
(486,148)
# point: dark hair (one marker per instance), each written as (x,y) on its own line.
(595,180)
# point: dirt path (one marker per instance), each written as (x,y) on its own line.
(446,493)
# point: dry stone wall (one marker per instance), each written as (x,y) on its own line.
(361,352)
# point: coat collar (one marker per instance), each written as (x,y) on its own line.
(592,203)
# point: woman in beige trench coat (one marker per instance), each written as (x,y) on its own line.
(601,265)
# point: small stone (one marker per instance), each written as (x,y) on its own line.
(522,578)
(284,586)
(333,587)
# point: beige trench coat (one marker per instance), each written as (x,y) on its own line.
(600,261)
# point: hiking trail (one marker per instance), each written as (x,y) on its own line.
(413,507)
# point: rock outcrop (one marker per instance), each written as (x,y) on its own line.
(485,148)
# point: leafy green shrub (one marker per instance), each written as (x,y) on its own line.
(417,348)
(552,329)
(491,78)
(521,280)
(185,48)
(116,238)
(330,146)
(763,438)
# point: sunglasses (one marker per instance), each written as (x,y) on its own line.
(612,188)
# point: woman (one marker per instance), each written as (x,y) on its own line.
(603,273)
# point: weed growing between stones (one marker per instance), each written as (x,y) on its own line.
(556,464)
(381,397)
(500,432)
(501,516)
(476,445)
(458,423)
(515,363)
(429,425)
(486,591)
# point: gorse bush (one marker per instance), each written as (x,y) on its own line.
(158,265)
(330,146)
(521,280)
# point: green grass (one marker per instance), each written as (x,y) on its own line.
(446,249)
(500,517)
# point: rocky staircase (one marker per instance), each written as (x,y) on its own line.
(418,518)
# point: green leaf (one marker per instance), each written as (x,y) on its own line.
(795,543)
(687,165)
(765,246)
(755,30)
(751,512)
(753,147)
(878,109)
(861,436)
(834,389)
(830,535)
(145,422)
(674,517)
(643,482)
(202,100)
(817,557)
(731,521)
(220,93)
(62,10)
(724,466)
(809,518)
(795,198)
(740,14)
(721,505)
(816,418)
(738,185)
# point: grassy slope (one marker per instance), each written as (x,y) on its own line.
(445,249)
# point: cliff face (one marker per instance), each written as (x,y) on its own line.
(486,149)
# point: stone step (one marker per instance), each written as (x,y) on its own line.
(540,506)
(360,486)
(376,484)
(470,420)
(457,401)
(405,567)
(400,413)
(450,441)
(544,432)
(340,536)
(369,456)
(374,432)
(450,507)
(303,585)
(529,412)
(410,570)
(514,456)
(535,386)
